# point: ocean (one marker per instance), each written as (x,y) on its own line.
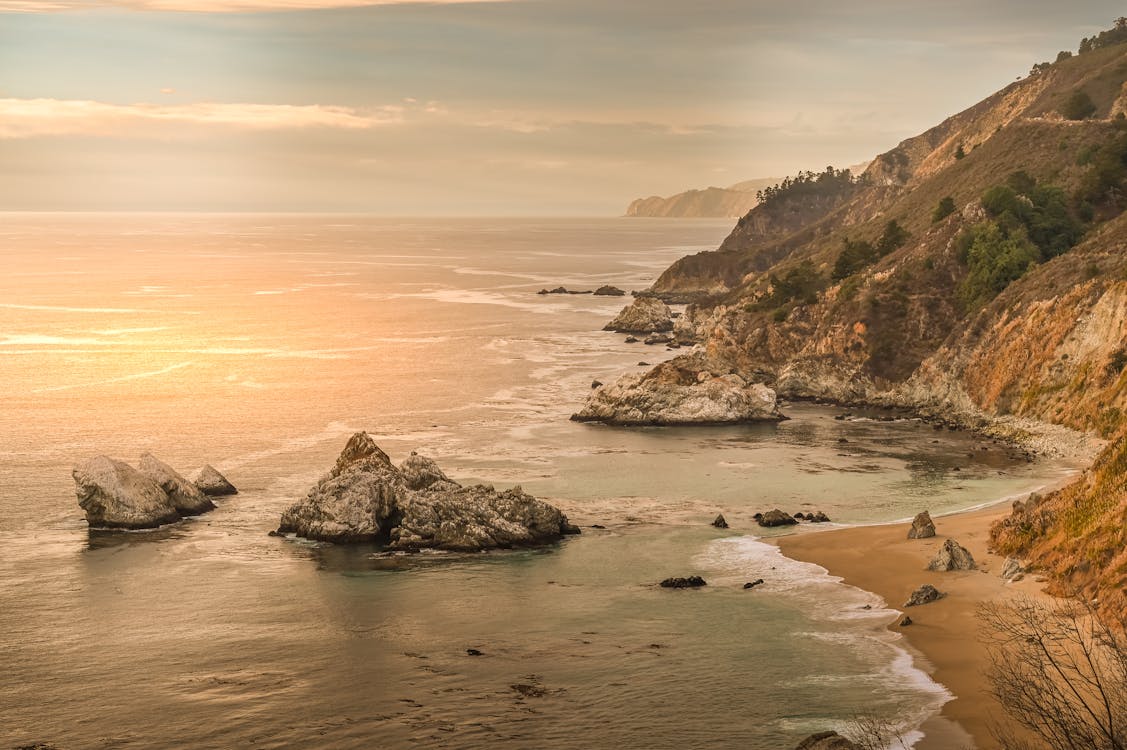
(259,343)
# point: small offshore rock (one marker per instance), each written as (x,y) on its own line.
(923,595)
(800,515)
(186,497)
(827,741)
(211,482)
(691,582)
(643,315)
(115,495)
(922,526)
(557,290)
(275,532)
(596,384)
(906,621)
(631,339)
(753,584)
(775,518)
(597,526)
(719,522)
(658,338)
(817,517)
(952,556)
(474,652)
(609,291)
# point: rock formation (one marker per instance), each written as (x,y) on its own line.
(922,526)
(365,498)
(609,291)
(775,518)
(186,497)
(952,556)
(719,522)
(691,582)
(827,741)
(923,595)
(680,392)
(212,483)
(117,496)
(643,315)
(1013,570)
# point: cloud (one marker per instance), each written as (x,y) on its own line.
(206,6)
(22,118)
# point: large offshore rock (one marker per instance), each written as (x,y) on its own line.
(416,506)
(680,391)
(186,497)
(643,315)
(952,556)
(827,741)
(115,495)
(212,483)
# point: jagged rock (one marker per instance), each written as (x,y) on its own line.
(922,526)
(952,556)
(1013,570)
(775,518)
(719,522)
(557,290)
(658,338)
(643,315)
(420,472)
(609,291)
(753,584)
(827,741)
(631,339)
(596,383)
(679,392)
(817,517)
(906,621)
(367,499)
(212,483)
(186,497)
(115,495)
(691,582)
(800,515)
(923,595)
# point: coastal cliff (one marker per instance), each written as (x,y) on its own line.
(709,203)
(974,274)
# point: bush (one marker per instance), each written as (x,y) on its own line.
(945,208)
(1079,106)
(858,255)
(801,284)
(994,258)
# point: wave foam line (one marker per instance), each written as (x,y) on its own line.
(134,376)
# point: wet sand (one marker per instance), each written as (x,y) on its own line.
(944,635)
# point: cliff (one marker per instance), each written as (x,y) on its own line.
(709,203)
(975,273)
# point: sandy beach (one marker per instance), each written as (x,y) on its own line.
(944,635)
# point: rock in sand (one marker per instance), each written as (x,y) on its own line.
(952,556)
(923,595)
(922,526)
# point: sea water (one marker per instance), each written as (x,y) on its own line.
(260,343)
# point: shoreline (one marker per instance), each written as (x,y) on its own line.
(943,639)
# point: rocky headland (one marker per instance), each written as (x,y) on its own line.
(365,498)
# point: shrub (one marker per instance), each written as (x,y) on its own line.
(1079,106)
(945,208)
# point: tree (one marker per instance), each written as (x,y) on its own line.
(1058,671)
(1078,106)
(959,152)
(1063,55)
(945,208)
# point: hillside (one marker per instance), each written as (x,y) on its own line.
(975,273)
(709,203)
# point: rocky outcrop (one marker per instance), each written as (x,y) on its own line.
(211,482)
(188,499)
(952,556)
(643,315)
(827,741)
(691,582)
(681,391)
(923,595)
(609,291)
(115,495)
(776,518)
(1013,570)
(365,498)
(922,526)
(719,522)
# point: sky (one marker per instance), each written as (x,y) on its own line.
(511,108)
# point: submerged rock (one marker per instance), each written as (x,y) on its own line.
(952,556)
(211,482)
(680,391)
(753,584)
(775,518)
(827,741)
(186,497)
(643,315)
(416,506)
(115,495)
(923,595)
(922,526)
(691,582)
